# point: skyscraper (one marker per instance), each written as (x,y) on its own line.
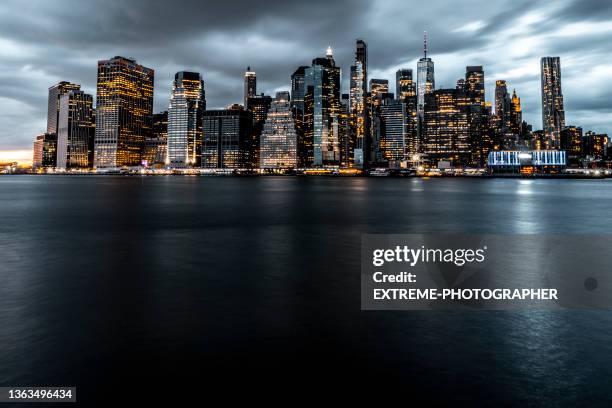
(553,114)
(297,107)
(250,85)
(425,79)
(185,120)
(259,106)
(404,86)
(394,140)
(477,114)
(279,138)
(75,131)
(502,100)
(227,135)
(124,107)
(447,127)
(516,114)
(321,109)
(475,83)
(55,92)
(357,103)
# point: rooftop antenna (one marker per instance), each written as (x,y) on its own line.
(425,43)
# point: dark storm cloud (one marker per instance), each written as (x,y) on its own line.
(42,42)
(580,10)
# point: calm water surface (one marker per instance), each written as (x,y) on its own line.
(201,282)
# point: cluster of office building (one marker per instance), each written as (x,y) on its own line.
(312,125)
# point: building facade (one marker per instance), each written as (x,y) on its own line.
(321,110)
(227,134)
(446,127)
(76,131)
(124,107)
(53,106)
(187,104)
(250,85)
(45,151)
(279,138)
(258,105)
(404,85)
(358,89)
(553,113)
(156,144)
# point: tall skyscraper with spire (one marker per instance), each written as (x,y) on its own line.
(357,102)
(250,85)
(425,78)
(185,120)
(553,113)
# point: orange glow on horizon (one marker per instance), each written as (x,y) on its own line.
(22,156)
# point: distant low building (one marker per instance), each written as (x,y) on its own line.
(45,151)
(527,162)
(595,145)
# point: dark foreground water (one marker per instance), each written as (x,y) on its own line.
(181,287)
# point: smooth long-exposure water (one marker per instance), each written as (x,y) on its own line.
(183,282)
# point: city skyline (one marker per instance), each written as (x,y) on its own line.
(464,40)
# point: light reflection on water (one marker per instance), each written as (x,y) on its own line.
(240,274)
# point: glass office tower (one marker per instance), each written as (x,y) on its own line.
(185,120)
(75,131)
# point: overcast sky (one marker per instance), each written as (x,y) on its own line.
(43,42)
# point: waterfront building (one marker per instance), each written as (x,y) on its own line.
(527,162)
(75,131)
(395,140)
(45,151)
(124,107)
(259,106)
(187,104)
(446,127)
(553,113)
(321,110)
(279,138)
(595,146)
(227,134)
(156,144)
(571,142)
(298,91)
